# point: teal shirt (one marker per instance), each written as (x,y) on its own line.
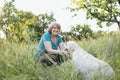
(47,37)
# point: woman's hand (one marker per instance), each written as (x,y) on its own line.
(67,54)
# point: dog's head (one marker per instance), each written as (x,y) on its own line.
(71,46)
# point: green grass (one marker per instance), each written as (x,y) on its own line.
(17,60)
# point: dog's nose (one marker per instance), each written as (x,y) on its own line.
(66,49)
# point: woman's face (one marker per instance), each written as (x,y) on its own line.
(55,30)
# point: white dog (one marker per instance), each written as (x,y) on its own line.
(89,66)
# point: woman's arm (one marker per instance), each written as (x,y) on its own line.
(66,52)
(49,49)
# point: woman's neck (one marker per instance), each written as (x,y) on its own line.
(53,36)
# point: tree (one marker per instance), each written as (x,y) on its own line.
(15,23)
(44,20)
(79,31)
(20,25)
(103,10)
(8,17)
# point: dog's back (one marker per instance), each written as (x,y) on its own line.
(89,65)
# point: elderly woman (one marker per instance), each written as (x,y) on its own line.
(47,51)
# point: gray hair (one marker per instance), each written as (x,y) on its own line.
(50,27)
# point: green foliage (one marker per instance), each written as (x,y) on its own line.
(103,10)
(106,48)
(23,26)
(17,59)
(79,32)
(44,20)
(98,34)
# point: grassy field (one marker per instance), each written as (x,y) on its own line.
(17,60)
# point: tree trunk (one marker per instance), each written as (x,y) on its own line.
(118,25)
(118,22)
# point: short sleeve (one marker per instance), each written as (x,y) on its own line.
(46,37)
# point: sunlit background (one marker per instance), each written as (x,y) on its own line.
(61,14)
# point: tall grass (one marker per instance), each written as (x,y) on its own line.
(106,48)
(17,60)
